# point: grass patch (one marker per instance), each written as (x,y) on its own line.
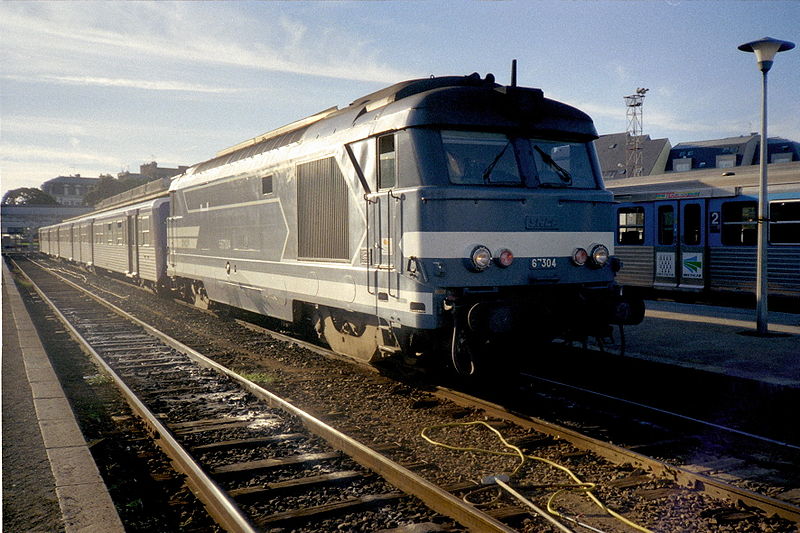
(258,377)
(97,379)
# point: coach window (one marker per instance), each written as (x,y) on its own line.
(144,230)
(266,185)
(666,225)
(691,224)
(784,225)
(739,226)
(387,162)
(630,226)
(109,235)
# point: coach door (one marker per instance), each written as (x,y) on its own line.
(133,243)
(666,246)
(680,244)
(692,255)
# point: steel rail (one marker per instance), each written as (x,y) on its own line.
(666,412)
(433,496)
(619,455)
(219,505)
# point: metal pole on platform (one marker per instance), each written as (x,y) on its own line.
(765,50)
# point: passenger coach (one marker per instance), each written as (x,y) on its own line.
(697,231)
(129,240)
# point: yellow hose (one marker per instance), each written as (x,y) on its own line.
(578,486)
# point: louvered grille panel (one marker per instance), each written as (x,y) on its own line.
(322,211)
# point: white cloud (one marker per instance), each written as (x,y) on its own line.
(36,153)
(61,39)
(138,84)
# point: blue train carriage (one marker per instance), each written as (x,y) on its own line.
(697,231)
(437,211)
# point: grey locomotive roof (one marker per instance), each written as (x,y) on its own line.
(468,101)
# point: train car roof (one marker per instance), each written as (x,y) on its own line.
(455,101)
(704,183)
(110,212)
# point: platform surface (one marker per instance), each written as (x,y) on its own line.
(720,340)
(45,456)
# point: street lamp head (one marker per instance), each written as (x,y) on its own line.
(765,50)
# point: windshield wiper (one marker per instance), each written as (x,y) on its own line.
(563,174)
(488,172)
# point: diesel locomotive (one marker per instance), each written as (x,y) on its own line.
(446,212)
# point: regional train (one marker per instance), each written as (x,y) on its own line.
(448,212)
(696,232)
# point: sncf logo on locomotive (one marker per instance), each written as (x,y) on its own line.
(540,222)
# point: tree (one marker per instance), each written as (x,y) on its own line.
(28,196)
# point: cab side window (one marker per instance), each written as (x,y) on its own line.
(387,162)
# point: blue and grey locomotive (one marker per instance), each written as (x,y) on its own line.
(444,208)
(448,211)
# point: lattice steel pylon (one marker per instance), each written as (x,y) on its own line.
(634,159)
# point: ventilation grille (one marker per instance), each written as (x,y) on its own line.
(322,213)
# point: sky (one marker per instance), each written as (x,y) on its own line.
(96,88)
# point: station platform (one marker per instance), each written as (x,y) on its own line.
(720,340)
(50,481)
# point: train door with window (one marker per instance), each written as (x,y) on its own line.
(692,230)
(680,247)
(385,224)
(666,247)
(132,242)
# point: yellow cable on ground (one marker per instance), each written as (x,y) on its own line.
(579,486)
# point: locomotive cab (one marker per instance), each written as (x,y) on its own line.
(500,216)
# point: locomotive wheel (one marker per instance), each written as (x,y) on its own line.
(355,336)
(200,297)
(462,354)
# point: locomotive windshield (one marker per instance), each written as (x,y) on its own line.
(476,158)
(482,158)
(562,164)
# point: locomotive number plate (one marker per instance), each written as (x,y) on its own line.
(543,262)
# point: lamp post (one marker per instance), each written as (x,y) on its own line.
(765,50)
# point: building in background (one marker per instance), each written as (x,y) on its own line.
(660,157)
(69,190)
(21,223)
(730,152)
(612,150)
(152,171)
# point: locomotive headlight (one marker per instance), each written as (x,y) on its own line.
(580,256)
(481,258)
(505,258)
(599,255)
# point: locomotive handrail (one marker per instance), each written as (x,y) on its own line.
(473,198)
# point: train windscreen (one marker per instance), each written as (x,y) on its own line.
(495,159)
(562,164)
(478,158)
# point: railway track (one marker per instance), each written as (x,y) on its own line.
(246,452)
(723,470)
(644,468)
